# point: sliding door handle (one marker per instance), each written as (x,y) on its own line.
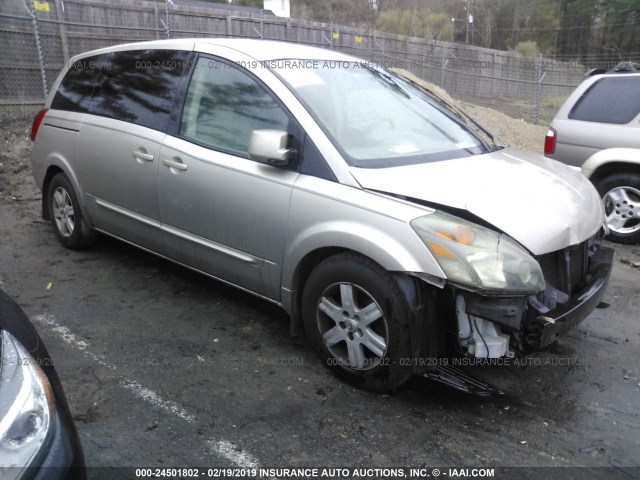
(174,163)
(142,154)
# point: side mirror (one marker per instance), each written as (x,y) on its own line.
(270,147)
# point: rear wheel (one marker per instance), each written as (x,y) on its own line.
(357,319)
(66,216)
(621,198)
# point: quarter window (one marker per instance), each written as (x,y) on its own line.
(224,105)
(135,86)
(76,89)
(610,100)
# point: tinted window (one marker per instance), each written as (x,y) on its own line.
(135,86)
(224,105)
(76,89)
(609,100)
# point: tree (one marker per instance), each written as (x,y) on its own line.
(425,24)
(342,12)
(620,20)
(575,29)
(574,38)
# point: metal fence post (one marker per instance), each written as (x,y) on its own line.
(167,18)
(331,34)
(444,64)
(63,30)
(229,25)
(156,16)
(539,76)
(262,23)
(36,34)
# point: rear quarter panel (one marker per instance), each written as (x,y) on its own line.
(56,145)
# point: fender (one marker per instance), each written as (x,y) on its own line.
(328,215)
(379,246)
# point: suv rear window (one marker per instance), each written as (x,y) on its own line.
(609,100)
(134,86)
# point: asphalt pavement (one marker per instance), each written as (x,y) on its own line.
(164,367)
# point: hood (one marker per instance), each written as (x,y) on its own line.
(541,203)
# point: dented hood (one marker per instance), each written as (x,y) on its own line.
(539,202)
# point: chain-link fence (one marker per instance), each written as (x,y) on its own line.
(39,36)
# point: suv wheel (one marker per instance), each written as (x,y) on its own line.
(357,319)
(66,216)
(621,197)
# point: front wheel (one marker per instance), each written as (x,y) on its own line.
(66,216)
(621,198)
(357,319)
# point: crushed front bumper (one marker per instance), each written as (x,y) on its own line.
(545,326)
(535,322)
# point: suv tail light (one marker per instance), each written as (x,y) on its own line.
(550,141)
(36,123)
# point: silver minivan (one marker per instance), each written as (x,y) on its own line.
(598,130)
(386,223)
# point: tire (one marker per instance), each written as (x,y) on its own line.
(65,215)
(335,296)
(621,198)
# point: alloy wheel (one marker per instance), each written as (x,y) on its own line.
(353,326)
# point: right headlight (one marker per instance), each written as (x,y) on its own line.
(477,256)
(26,408)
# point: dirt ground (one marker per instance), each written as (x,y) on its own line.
(164,367)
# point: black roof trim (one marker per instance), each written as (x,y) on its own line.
(622,67)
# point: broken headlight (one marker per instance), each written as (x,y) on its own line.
(477,256)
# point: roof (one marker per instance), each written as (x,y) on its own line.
(260,50)
(275,50)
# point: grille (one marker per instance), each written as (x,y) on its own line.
(566,269)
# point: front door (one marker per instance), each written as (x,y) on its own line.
(221,212)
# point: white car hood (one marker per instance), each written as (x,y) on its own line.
(539,202)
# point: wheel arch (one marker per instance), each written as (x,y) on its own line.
(51,172)
(300,274)
(56,166)
(421,298)
(314,244)
(610,161)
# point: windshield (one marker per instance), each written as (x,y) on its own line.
(376,118)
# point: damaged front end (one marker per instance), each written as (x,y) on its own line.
(494,326)
(501,301)
(576,279)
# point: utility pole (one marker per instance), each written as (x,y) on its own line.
(469,19)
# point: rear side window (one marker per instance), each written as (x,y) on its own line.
(610,100)
(135,86)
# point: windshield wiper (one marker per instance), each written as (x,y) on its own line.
(457,111)
(386,79)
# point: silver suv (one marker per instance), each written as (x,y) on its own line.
(598,129)
(389,226)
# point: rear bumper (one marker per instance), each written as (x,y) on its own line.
(546,327)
